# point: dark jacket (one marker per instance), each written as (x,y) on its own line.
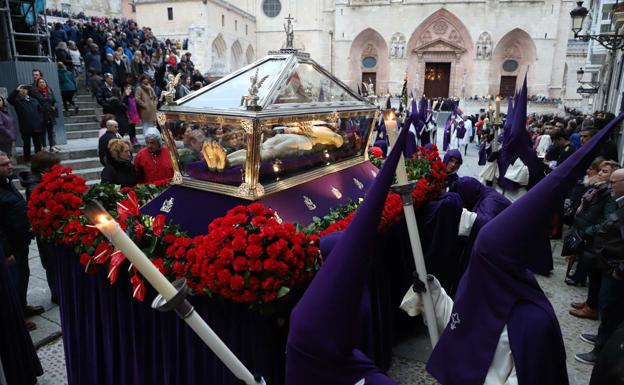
(7,127)
(56,36)
(93,60)
(48,105)
(120,110)
(29,112)
(119,172)
(104,95)
(14,225)
(63,57)
(109,67)
(122,74)
(103,146)
(594,213)
(609,240)
(29,181)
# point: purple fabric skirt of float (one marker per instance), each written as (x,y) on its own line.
(111,339)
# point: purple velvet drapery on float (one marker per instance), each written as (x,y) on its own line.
(111,339)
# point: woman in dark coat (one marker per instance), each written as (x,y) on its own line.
(119,169)
(46,98)
(117,107)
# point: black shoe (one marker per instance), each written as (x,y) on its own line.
(589,338)
(32,311)
(589,358)
(570,281)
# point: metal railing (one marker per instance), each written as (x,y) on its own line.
(38,39)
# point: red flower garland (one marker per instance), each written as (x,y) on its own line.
(55,200)
(248,257)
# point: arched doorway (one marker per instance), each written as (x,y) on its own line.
(440,56)
(250,55)
(513,55)
(219,51)
(236,56)
(368,60)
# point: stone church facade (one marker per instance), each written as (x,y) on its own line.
(456,48)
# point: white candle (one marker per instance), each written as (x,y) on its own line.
(111,229)
(391,127)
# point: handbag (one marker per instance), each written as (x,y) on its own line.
(573,243)
(518,172)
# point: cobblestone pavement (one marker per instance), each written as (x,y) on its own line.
(408,364)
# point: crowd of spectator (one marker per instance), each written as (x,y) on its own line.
(532,98)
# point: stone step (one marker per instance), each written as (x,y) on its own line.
(85,97)
(64,155)
(90,111)
(82,134)
(84,163)
(86,104)
(90,133)
(69,119)
(72,127)
(93,173)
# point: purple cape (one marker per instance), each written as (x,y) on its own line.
(498,289)
(482,155)
(438,222)
(481,199)
(410,146)
(446,140)
(323,334)
(460,132)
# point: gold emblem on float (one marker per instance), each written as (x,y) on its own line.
(359,184)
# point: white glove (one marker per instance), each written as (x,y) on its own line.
(413,304)
(466,222)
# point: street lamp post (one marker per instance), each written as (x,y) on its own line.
(611,41)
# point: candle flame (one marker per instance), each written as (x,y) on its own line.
(102,219)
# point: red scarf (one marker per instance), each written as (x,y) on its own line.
(43,91)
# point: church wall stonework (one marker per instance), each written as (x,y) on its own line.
(475,36)
(203,23)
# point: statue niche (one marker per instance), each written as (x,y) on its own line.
(484,46)
(397,46)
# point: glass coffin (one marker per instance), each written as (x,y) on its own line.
(274,124)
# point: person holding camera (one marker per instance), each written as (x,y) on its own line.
(30,118)
(46,98)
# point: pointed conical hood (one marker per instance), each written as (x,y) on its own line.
(498,279)
(411,141)
(446,139)
(323,328)
(388,103)
(423,109)
(509,117)
(518,143)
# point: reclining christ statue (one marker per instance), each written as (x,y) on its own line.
(296,140)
